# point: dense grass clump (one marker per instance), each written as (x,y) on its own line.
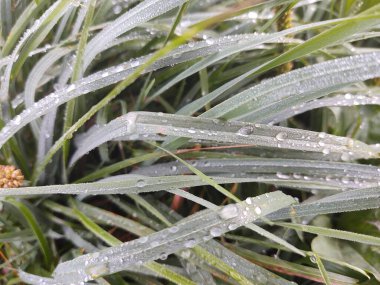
(189,142)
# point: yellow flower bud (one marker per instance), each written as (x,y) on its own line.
(10,177)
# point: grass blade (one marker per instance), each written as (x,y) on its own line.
(190,232)
(34,226)
(350,236)
(133,124)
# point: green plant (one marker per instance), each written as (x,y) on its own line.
(165,142)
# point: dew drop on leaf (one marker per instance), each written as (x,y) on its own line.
(190,243)
(322,135)
(313,259)
(210,41)
(97,270)
(282,175)
(229,212)
(140,183)
(345,180)
(216,231)
(245,131)
(258,210)
(173,229)
(17,119)
(233,226)
(163,256)
(143,239)
(135,63)
(281,136)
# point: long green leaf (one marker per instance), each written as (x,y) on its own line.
(189,232)
(38,232)
(350,236)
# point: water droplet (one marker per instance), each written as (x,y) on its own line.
(143,239)
(233,226)
(70,87)
(297,175)
(347,96)
(245,131)
(210,41)
(313,259)
(345,180)
(281,136)
(119,68)
(190,243)
(258,210)
(228,212)
(140,183)
(174,229)
(282,175)
(173,168)
(135,63)
(216,231)
(322,135)
(97,270)
(117,9)
(252,15)
(163,256)
(17,120)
